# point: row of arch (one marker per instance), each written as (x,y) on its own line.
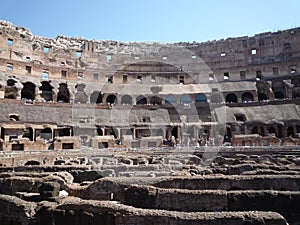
(96,97)
(278,131)
(29,92)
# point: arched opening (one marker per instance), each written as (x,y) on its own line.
(96,97)
(290,131)
(14,117)
(28,91)
(47,93)
(262,97)
(272,131)
(63,94)
(200,98)
(278,88)
(141,100)
(11,91)
(46,133)
(170,99)
(247,97)
(215,98)
(185,99)
(155,100)
(111,99)
(278,95)
(126,99)
(231,98)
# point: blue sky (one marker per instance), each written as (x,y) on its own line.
(152,20)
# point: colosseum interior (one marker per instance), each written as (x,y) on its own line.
(116,133)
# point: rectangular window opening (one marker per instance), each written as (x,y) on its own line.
(240,117)
(108,58)
(78,54)
(293,69)
(10,42)
(253,51)
(226,76)
(181,79)
(62,63)
(28,69)
(110,79)
(45,74)
(139,78)
(64,73)
(96,76)
(275,70)
(46,49)
(287,45)
(243,75)
(223,54)
(9,67)
(194,57)
(124,78)
(153,80)
(258,75)
(211,76)
(80,75)
(27,59)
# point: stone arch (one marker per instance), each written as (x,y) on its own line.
(126,99)
(96,97)
(200,98)
(247,97)
(170,99)
(47,93)
(11,90)
(155,100)
(80,96)
(215,98)
(231,98)
(278,88)
(141,100)
(111,99)
(63,94)
(28,91)
(185,99)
